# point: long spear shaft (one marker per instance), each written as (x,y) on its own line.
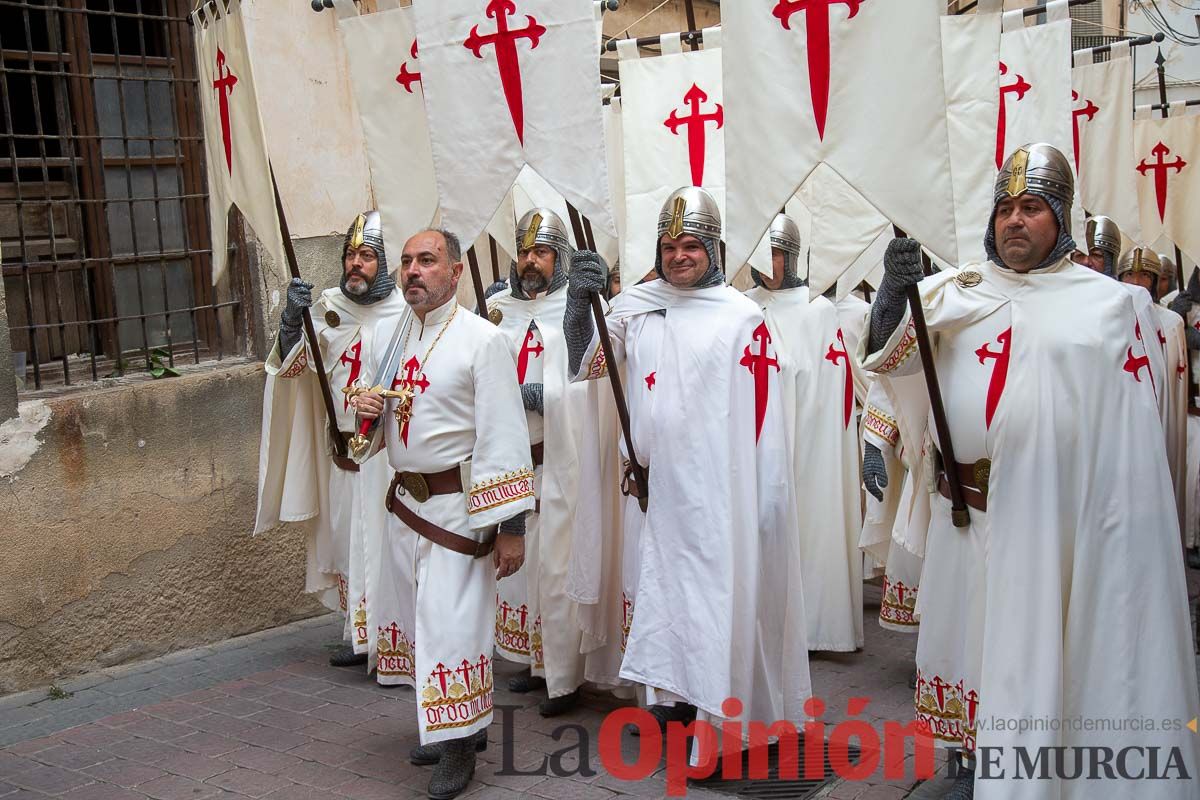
(289,251)
(958,506)
(584,240)
(477,282)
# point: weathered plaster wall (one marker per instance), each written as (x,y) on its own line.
(126,534)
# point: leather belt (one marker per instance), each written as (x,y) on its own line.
(344,463)
(434,533)
(629,486)
(424,485)
(974,480)
(538,453)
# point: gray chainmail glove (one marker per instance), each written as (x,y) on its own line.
(514,526)
(1181,305)
(531,394)
(1192,336)
(588,276)
(874,471)
(901,269)
(495,288)
(299,297)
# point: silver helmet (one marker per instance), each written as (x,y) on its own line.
(785,234)
(1039,168)
(1140,259)
(1168,265)
(1104,234)
(367,229)
(542,226)
(690,210)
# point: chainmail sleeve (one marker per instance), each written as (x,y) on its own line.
(578,328)
(514,526)
(886,314)
(289,335)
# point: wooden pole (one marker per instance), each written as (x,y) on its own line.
(477,282)
(289,251)
(584,239)
(958,506)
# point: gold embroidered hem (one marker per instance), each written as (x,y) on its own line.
(343,591)
(899,604)
(457,698)
(395,653)
(626,620)
(598,365)
(903,350)
(535,644)
(947,709)
(507,488)
(512,632)
(298,366)
(360,623)
(882,425)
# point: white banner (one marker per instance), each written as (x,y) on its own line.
(1102,127)
(1167,172)
(856,85)
(673,124)
(510,82)
(385,71)
(239,170)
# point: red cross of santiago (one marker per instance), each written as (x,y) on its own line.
(531,348)
(696,136)
(1161,168)
(759,365)
(224,83)
(406,78)
(1089,110)
(504,40)
(416,380)
(1018,87)
(816,19)
(353,359)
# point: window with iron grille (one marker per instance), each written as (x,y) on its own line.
(103,204)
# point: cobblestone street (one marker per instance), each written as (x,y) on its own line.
(265,716)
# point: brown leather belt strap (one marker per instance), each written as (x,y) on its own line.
(538,452)
(437,535)
(974,478)
(629,486)
(343,463)
(448,481)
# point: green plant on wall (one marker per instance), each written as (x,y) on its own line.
(158,364)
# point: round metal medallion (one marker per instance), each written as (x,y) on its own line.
(495,315)
(969,278)
(414,483)
(332,319)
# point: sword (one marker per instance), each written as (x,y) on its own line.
(391,360)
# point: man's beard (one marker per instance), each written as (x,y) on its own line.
(533,282)
(356,284)
(435,294)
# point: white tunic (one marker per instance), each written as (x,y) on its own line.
(1072,541)
(536,620)
(822,436)
(297,479)
(719,609)
(440,604)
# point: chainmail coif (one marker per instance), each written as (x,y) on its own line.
(791,280)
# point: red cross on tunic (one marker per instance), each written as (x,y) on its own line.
(1134,365)
(532,348)
(465,669)
(999,372)
(816,21)
(523,613)
(484,664)
(415,380)
(442,674)
(940,686)
(759,364)
(1161,169)
(1089,111)
(835,357)
(352,358)
(697,137)
(393,634)
(406,78)
(1018,87)
(650,381)
(224,83)
(505,608)
(504,41)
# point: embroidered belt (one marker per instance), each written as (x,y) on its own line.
(434,483)
(974,480)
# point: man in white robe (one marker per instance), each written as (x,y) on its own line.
(536,621)
(301,476)
(719,600)
(1187,304)
(820,418)
(1046,389)
(454,428)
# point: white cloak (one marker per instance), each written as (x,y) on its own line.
(1071,543)
(537,594)
(720,609)
(1174,346)
(297,479)
(822,436)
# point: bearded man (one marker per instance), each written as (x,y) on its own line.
(302,477)
(719,600)
(822,435)
(1104,246)
(536,621)
(456,436)
(1037,357)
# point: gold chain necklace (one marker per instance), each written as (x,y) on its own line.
(407,392)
